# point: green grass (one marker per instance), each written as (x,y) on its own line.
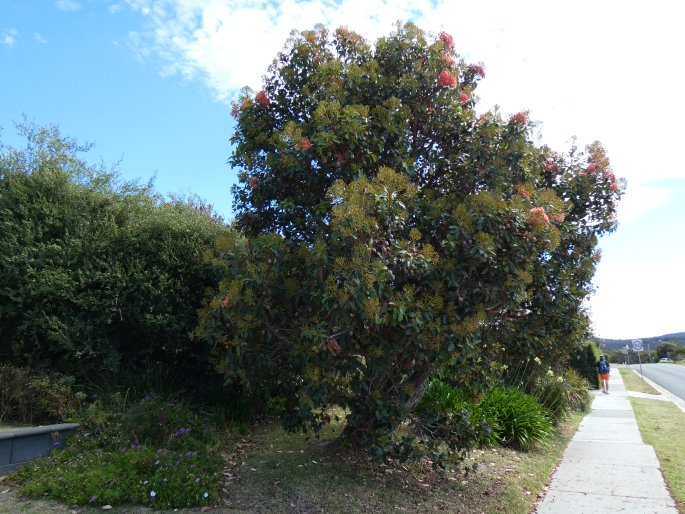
(634,382)
(662,425)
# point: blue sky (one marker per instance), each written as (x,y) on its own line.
(150,82)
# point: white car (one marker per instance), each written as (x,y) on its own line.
(665,359)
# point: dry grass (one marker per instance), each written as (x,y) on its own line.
(275,472)
(634,382)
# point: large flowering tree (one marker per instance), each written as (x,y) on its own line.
(386,227)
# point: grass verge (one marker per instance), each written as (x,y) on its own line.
(634,382)
(662,425)
(276,472)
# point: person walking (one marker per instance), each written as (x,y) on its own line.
(603,370)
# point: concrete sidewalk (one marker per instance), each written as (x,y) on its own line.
(606,466)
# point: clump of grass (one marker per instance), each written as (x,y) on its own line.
(518,419)
(155,452)
(510,416)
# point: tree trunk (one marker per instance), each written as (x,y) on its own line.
(367,422)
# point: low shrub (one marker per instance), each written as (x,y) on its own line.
(559,392)
(577,391)
(29,397)
(447,409)
(519,420)
(155,452)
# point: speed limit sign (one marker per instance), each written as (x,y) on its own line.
(637,345)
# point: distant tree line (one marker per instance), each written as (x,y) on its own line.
(651,353)
(613,344)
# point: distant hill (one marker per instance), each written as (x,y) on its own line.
(615,344)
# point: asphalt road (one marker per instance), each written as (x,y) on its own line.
(669,376)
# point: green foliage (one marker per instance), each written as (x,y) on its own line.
(560,394)
(583,360)
(519,420)
(505,415)
(153,452)
(95,270)
(673,351)
(442,402)
(28,397)
(388,232)
(559,391)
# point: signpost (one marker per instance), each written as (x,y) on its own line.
(637,347)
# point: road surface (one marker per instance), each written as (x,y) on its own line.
(668,376)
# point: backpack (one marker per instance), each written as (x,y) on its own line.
(603,367)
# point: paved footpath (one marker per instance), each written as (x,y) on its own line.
(606,466)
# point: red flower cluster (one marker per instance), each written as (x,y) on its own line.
(523,192)
(597,256)
(538,217)
(254,182)
(520,118)
(591,167)
(304,144)
(558,218)
(446,79)
(262,99)
(447,40)
(477,69)
(613,182)
(464,98)
(448,60)
(226,301)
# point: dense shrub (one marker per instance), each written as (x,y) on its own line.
(583,360)
(29,397)
(94,270)
(519,420)
(155,452)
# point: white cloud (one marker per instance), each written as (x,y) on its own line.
(588,68)
(642,198)
(39,38)
(9,37)
(596,70)
(68,5)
